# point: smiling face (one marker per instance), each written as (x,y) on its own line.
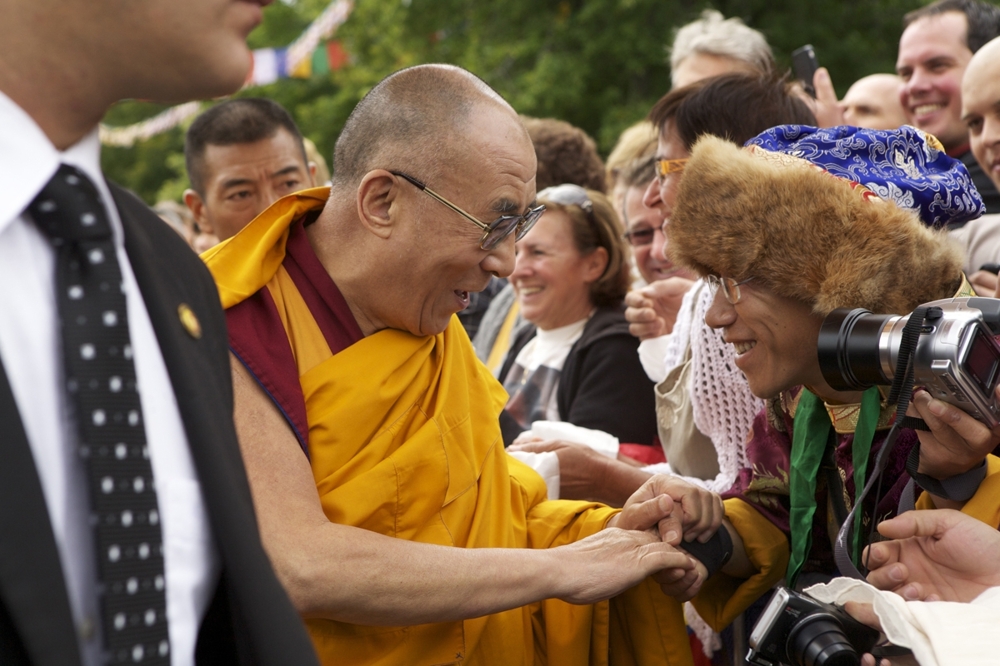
(774,338)
(435,255)
(241,180)
(981,108)
(932,57)
(551,277)
(650,258)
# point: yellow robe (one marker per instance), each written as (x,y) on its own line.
(404,440)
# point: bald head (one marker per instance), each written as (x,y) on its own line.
(873,102)
(411,120)
(981,107)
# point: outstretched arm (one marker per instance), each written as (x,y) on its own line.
(354,575)
(585,474)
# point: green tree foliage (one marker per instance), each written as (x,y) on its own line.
(599,64)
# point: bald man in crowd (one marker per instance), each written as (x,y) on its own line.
(981,114)
(241,156)
(873,102)
(400,527)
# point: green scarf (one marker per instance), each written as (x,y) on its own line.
(811,432)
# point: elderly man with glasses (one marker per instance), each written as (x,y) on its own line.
(400,527)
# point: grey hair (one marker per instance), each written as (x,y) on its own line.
(714,34)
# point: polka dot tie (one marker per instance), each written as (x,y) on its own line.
(104,401)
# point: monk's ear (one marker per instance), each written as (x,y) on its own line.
(376,194)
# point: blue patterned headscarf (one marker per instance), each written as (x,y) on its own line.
(904,166)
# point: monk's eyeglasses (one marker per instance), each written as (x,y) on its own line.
(494,232)
(730,287)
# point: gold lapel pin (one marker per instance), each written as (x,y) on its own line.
(189,321)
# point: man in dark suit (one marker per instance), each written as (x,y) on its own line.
(68,545)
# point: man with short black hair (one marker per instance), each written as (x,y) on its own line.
(242,155)
(937,43)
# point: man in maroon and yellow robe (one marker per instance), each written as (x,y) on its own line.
(397,426)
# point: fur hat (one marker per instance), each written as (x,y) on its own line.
(804,233)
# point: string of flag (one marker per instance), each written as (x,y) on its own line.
(307,56)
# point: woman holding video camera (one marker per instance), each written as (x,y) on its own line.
(799,223)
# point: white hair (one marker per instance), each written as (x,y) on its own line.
(714,34)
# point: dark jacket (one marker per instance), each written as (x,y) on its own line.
(602,385)
(250,620)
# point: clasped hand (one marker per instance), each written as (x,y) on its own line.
(678,512)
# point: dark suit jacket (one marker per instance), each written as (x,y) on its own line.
(250,619)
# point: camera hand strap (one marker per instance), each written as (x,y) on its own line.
(900,393)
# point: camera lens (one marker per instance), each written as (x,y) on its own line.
(819,640)
(848,348)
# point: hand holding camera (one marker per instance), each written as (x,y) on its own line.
(956,443)
(952,359)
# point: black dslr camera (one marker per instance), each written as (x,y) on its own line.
(956,358)
(797,630)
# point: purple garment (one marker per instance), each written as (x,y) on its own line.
(764,484)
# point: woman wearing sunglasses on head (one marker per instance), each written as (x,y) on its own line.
(577,362)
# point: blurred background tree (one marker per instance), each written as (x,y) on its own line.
(599,64)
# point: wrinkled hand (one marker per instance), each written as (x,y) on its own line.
(652,310)
(652,511)
(682,584)
(581,469)
(935,555)
(956,443)
(611,561)
(985,283)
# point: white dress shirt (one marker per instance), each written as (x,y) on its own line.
(31,352)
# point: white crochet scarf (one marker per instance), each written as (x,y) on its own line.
(723,406)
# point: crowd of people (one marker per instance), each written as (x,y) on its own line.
(472,394)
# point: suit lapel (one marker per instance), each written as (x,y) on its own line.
(249,601)
(160,274)
(32,586)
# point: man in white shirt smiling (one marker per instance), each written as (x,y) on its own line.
(64,63)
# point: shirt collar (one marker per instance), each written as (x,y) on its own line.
(30,160)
